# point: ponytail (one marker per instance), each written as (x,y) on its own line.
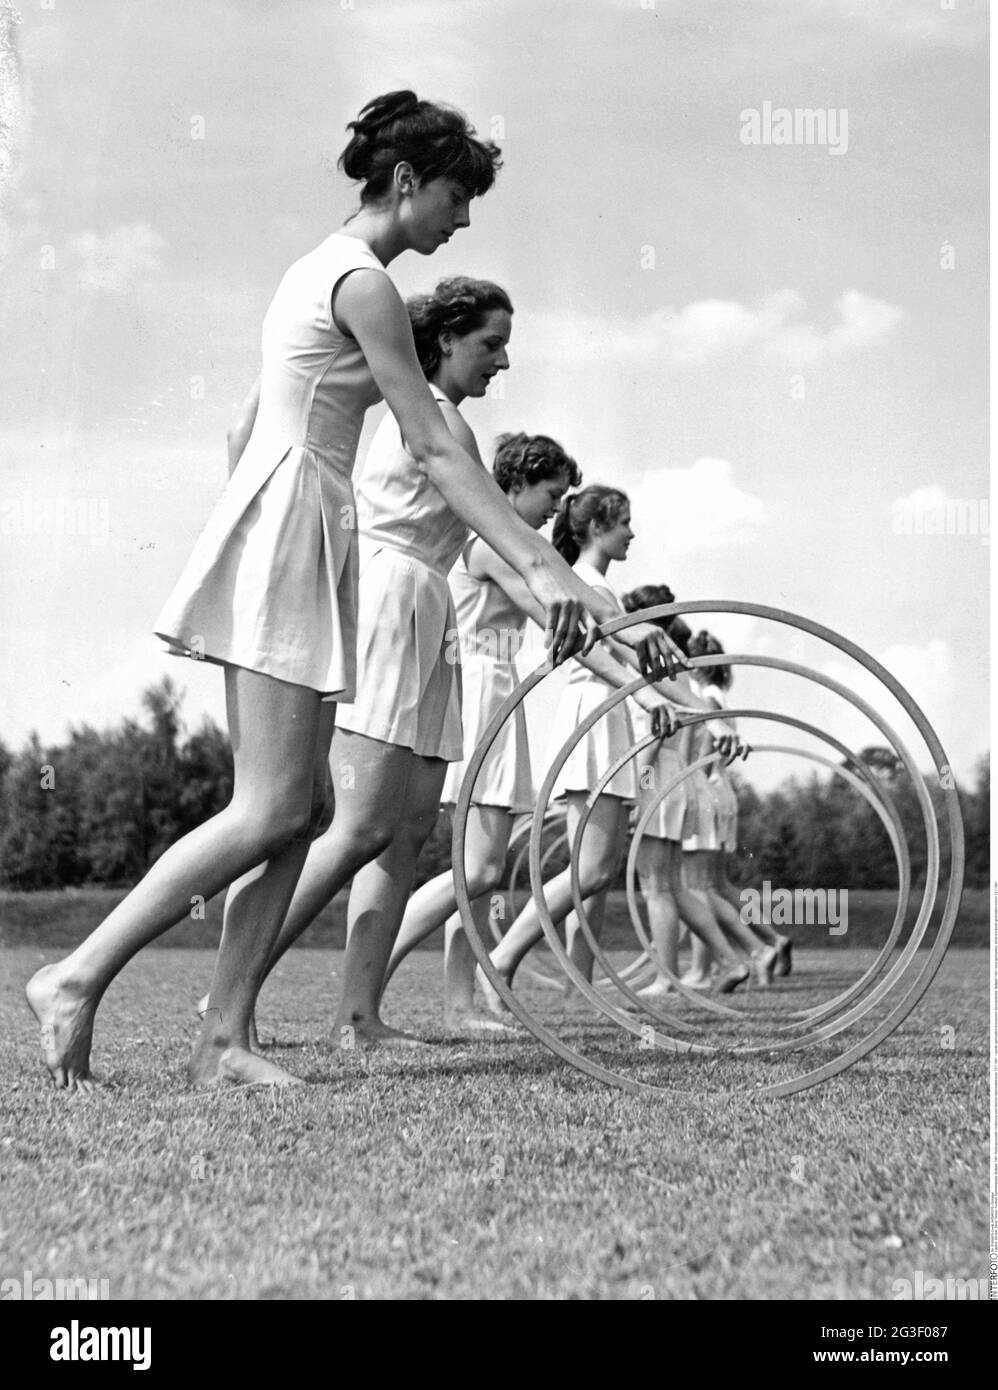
(594,505)
(562,537)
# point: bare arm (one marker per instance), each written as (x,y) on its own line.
(242,426)
(368,306)
(484,563)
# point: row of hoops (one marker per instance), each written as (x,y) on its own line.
(835,1016)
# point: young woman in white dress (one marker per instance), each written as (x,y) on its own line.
(769,951)
(669,901)
(592,530)
(270,589)
(492,607)
(391,747)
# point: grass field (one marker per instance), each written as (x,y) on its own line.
(489,1170)
(64,917)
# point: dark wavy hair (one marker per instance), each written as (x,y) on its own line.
(459,304)
(679,631)
(436,140)
(594,505)
(704,644)
(531,458)
(650,596)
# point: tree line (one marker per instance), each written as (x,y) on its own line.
(101,807)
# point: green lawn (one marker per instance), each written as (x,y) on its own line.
(64,917)
(491,1170)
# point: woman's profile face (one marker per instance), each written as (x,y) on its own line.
(537,503)
(616,538)
(434,212)
(474,358)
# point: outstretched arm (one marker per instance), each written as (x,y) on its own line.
(484,563)
(368,306)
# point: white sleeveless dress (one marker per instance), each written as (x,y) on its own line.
(675,817)
(272,581)
(704,835)
(610,736)
(489,631)
(721,788)
(408,662)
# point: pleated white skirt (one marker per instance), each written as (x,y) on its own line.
(408,668)
(675,817)
(600,747)
(726,811)
(704,834)
(504,779)
(272,581)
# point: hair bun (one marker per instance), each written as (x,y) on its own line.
(382,111)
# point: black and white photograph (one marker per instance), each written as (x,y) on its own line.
(495,712)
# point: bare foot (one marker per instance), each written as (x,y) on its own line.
(493,1002)
(764,960)
(236,1066)
(254,1038)
(693,981)
(372,1032)
(65,1015)
(733,977)
(658,989)
(477,1024)
(784,956)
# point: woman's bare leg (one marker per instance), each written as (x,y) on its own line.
(460,1009)
(655,880)
(255,907)
(486,842)
(377,904)
(763,956)
(691,891)
(577,946)
(273,728)
(369,780)
(598,859)
(763,928)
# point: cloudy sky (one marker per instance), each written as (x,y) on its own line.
(777,348)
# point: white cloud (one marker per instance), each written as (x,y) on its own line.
(926,672)
(700,508)
(863,322)
(711,329)
(117,261)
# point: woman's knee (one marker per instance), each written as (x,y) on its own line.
(414,829)
(271,827)
(364,838)
(593,878)
(486,875)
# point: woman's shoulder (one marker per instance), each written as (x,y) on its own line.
(590,575)
(475,557)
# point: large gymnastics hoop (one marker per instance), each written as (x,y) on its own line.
(876,797)
(917,988)
(695,718)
